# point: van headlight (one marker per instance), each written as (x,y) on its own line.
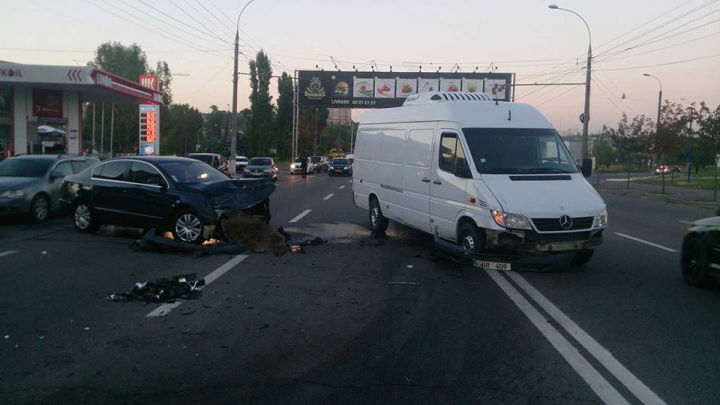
(514,221)
(601,219)
(12,194)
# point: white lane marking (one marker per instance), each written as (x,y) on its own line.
(341,187)
(646,242)
(299,217)
(8,253)
(165,309)
(350,181)
(328,196)
(686,222)
(632,383)
(592,377)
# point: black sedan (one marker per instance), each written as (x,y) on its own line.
(701,252)
(340,167)
(184,196)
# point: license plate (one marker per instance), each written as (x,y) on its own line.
(481,264)
(338,171)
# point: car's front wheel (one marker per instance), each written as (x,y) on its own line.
(40,208)
(694,263)
(187,227)
(84,218)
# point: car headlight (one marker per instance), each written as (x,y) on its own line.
(12,194)
(514,221)
(601,219)
(246,170)
(292,166)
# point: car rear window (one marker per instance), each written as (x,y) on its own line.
(340,162)
(79,165)
(260,162)
(203,158)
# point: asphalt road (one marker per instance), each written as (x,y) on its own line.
(333,326)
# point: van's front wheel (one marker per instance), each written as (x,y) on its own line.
(470,238)
(378,222)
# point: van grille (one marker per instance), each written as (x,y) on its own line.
(553,224)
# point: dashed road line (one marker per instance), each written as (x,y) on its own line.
(341,187)
(8,253)
(299,217)
(667,249)
(602,355)
(165,309)
(592,377)
(686,222)
(350,181)
(329,196)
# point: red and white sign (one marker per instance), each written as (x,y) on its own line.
(149,81)
(47,103)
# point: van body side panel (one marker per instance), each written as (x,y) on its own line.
(447,191)
(363,166)
(388,170)
(417,168)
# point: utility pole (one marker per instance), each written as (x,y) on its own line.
(233,135)
(586,113)
(657,124)
(317,118)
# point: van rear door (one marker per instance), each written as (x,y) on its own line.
(416,175)
(447,191)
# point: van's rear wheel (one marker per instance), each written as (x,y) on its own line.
(378,222)
(470,238)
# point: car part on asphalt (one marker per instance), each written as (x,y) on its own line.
(163,290)
(253,232)
(152,242)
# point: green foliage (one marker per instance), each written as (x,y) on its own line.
(284,117)
(335,136)
(182,121)
(260,130)
(604,152)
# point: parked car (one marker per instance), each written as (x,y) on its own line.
(350,158)
(30,184)
(459,167)
(215,160)
(180,195)
(319,164)
(296,166)
(700,256)
(241,163)
(261,167)
(340,167)
(660,169)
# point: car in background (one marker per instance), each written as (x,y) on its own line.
(700,254)
(261,167)
(319,164)
(340,167)
(180,195)
(296,166)
(350,158)
(30,184)
(241,163)
(666,169)
(215,160)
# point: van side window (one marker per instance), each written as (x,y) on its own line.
(448,154)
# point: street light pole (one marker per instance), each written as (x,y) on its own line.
(588,71)
(233,136)
(691,149)
(657,124)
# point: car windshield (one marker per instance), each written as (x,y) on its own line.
(192,172)
(297,160)
(241,159)
(340,162)
(203,158)
(315,159)
(24,167)
(260,162)
(518,150)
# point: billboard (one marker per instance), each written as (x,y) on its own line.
(343,89)
(149,129)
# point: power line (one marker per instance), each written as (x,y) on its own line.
(607,97)
(220,11)
(197,21)
(664,64)
(609,58)
(154,32)
(219,27)
(215,17)
(206,83)
(558,96)
(181,22)
(600,83)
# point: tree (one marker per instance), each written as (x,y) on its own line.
(668,136)
(603,151)
(183,122)
(336,136)
(631,139)
(284,117)
(260,126)
(313,121)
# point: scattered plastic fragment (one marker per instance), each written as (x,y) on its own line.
(44,252)
(87,328)
(403,283)
(163,290)
(7,337)
(409,266)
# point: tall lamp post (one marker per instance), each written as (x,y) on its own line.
(691,150)
(586,113)
(657,124)
(233,136)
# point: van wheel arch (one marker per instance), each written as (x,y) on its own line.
(462,222)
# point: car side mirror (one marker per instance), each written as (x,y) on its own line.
(587,167)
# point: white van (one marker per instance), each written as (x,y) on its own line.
(478,172)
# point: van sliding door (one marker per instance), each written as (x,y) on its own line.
(416,175)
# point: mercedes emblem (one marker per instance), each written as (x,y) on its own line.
(565,222)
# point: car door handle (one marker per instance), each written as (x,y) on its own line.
(426,180)
(437,182)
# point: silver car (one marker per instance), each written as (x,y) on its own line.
(30,184)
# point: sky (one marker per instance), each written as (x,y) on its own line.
(516,36)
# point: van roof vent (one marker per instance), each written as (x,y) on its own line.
(439,96)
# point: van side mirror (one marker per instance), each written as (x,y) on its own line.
(587,167)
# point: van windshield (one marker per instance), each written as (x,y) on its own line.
(518,150)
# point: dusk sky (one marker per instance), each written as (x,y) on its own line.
(523,37)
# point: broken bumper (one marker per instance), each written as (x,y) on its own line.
(533,242)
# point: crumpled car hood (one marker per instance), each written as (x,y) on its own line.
(234,194)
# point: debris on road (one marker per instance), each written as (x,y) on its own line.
(409,266)
(163,290)
(242,228)
(403,283)
(152,242)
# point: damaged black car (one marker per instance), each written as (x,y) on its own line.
(184,196)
